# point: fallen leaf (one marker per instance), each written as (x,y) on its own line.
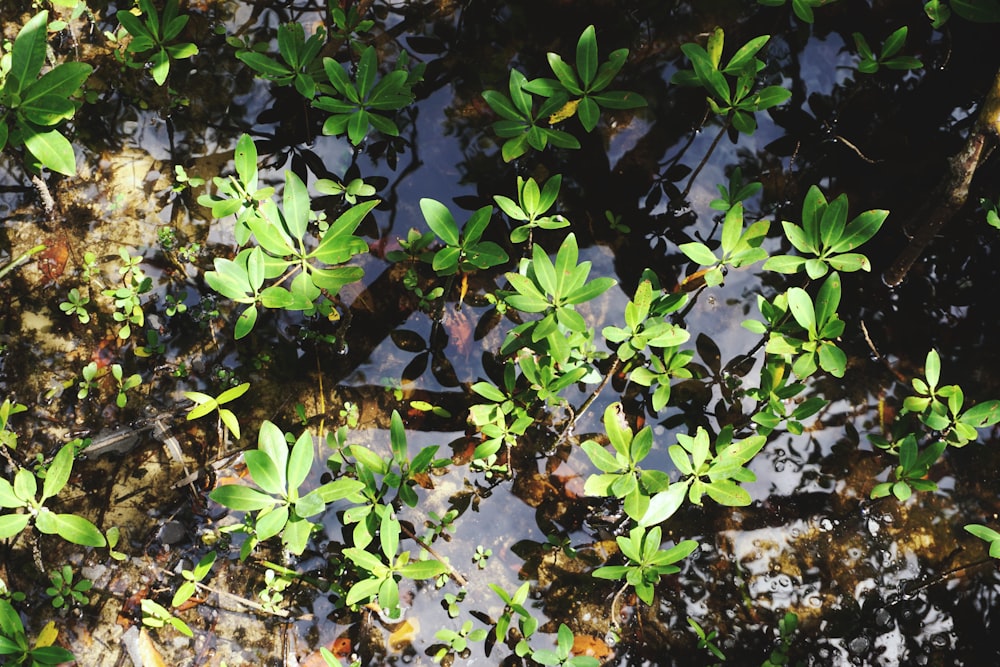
(52,260)
(404,635)
(592,646)
(148,653)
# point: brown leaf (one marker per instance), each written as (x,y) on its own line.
(148,653)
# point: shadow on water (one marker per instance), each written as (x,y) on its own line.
(871,582)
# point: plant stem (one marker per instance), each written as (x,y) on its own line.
(21,259)
(593,396)
(452,572)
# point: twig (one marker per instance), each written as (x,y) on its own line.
(704,160)
(452,572)
(954,191)
(594,394)
(868,339)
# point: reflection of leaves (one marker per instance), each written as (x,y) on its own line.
(710,353)
(408,341)
(416,367)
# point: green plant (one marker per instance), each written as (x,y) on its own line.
(887,57)
(774,396)
(532,204)
(396,472)
(457,641)
(716,474)
(586,83)
(802,8)
(787,626)
(279,505)
(298,55)
(914,464)
(986,534)
(940,407)
(644,326)
(481,556)
(22,495)
(514,606)
(239,194)
(381,575)
(648,495)
(124,384)
(736,192)
(128,298)
(463,251)
(551,289)
(826,234)
(285,252)
(192,578)
(277,579)
(519,122)
(175,304)
(8,438)
(737,102)
(156,33)
(64,591)
(155,615)
(88,383)
(154,346)
(76,305)
(707,640)
(739,247)
(204,404)
(355,111)
(563,653)
(646,561)
(31,107)
(819,322)
(14,645)
(355,188)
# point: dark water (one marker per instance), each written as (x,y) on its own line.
(873,583)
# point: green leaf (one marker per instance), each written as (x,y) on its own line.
(300,461)
(586,55)
(62,81)
(58,472)
(423,569)
(13,524)
(51,148)
(664,504)
(440,220)
(28,52)
(70,527)
(241,498)
(860,230)
(932,368)
(296,205)
(894,43)
(980,11)
(266,67)
(801,307)
(699,253)
(728,493)
(271,523)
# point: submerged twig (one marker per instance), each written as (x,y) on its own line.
(954,191)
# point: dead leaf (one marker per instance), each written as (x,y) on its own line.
(148,653)
(592,646)
(404,635)
(52,260)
